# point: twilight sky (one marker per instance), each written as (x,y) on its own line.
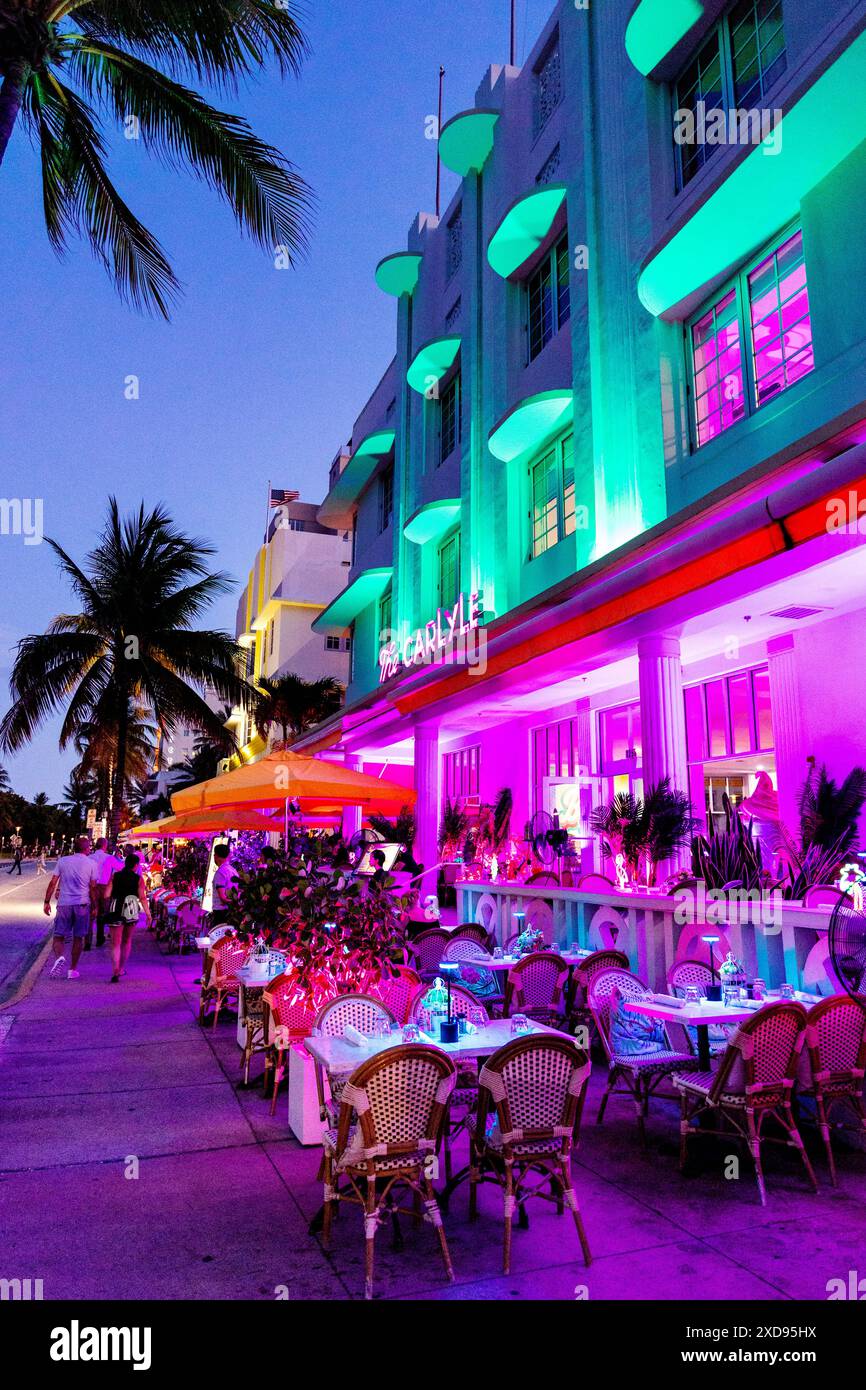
(261,372)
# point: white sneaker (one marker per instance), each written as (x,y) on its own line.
(56,968)
(73,975)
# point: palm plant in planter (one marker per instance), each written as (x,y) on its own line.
(731,855)
(452,828)
(340,935)
(645,831)
(829,829)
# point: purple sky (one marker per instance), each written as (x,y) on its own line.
(262,372)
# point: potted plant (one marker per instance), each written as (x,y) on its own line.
(829,829)
(645,831)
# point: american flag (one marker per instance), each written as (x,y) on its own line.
(280,496)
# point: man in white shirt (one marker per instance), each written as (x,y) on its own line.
(107,864)
(76,881)
(224,880)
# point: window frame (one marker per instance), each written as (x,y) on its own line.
(385,498)
(540,122)
(452,539)
(549,265)
(386,604)
(563,533)
(453,390)
(739,283)
(721,32)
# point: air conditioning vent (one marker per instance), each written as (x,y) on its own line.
(796,613)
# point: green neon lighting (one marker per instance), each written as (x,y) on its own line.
(466,140)
(764,191)
(656,27)
(364,589)
(531,423)
(523,229)
(398,274)
(431,363)
(337,507)
(431,521)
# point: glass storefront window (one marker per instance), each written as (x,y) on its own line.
(717,719)
(740,697)
(696,732)
(763,713)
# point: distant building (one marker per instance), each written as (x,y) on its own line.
(297,571)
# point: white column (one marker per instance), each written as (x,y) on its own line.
(426,849)
(662,712)
(791,766)
(352,815)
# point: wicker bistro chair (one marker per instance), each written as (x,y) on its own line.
(470,955)
(471,931)
(219,982)
(286,1020)
(391,1116)
(689,972)
(186,927)
(752,1084)
(464,1098)
(252,1008)
(427,949)
(535,986)
(643,1074)
(369,1016)
(536,1086)
(398,992)
(833,1063)
(580,1014)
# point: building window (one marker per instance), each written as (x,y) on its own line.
(449,571)
(454,253)
(271,638)
(551,482)
(347,644)
(550,168)
(620,749)
(766,307)
(461,773)
(548,88)
(386,498)
(548,305)
(332,644)
(350,648)
(453,315)
(386,616)
(449,419)
(729,716)
(738,65)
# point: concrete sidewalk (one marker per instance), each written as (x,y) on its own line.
(132,1166)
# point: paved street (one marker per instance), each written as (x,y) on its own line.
(132,1166)
(23,925)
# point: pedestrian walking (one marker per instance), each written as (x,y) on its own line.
(108,864)
(126,902)
(41,865)
(17,856)
(75,882)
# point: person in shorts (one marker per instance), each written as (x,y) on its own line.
(107,864)
(76,881)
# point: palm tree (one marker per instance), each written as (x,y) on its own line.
(66,63)
(5,784)
(79,794)
(96,742)
(294,704)
(131,643)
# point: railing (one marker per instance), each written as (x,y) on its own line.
(776,940)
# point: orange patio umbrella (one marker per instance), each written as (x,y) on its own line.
(208,823)
(319,787)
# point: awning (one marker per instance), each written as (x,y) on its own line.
(430,522)
(211,822)
(531,423)
(766,189)
(431,362)
(336,510)
(398,274)
(466,140)
(656,27)
(319,786)
(365,588)
(523,228)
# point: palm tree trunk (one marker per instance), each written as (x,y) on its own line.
(10,104)
(119,787)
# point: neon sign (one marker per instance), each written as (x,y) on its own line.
(433,642)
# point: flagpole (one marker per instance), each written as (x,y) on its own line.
(438,133)
(267,512)
(514,33)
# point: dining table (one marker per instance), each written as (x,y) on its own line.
(702,1014)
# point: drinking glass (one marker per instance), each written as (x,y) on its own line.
(693,995)
(411,1033)
(786,991)
(520,1024)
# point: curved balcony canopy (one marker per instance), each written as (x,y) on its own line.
(336,510)
(365,588)
(656,27)
(430,522)
(431,363)
(466,140)
(523,228)
(398,274)
(765,190)
(529,425)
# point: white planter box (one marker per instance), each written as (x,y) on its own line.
(304,1121)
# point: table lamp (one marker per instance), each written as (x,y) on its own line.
(714,990)
(449,1029)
